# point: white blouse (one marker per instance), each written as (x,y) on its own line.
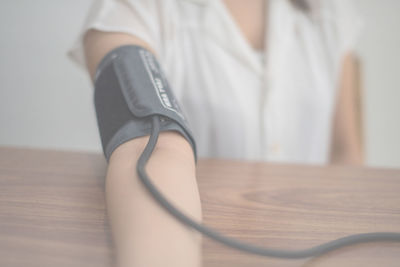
(240,105)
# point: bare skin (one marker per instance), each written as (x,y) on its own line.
(143,233)
(347,143)
(250,18)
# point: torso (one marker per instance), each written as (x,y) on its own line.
(237,107)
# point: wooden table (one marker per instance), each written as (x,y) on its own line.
(52,210)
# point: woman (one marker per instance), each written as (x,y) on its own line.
(257,80)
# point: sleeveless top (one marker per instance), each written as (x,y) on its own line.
(240,105)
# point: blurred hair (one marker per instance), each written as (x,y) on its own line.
(303,5)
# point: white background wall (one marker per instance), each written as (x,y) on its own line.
(379,49)
(46,101)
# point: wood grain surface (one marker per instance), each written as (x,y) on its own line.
(52,210)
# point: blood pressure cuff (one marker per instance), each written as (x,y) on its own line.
(130,87)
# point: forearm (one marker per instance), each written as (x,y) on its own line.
(144,233)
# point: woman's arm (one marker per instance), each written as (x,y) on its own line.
(144,233)
(347,145)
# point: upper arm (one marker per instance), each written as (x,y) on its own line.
(98,43)
(349,98)
(347,131)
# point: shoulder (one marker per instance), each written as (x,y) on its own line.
(339,20)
